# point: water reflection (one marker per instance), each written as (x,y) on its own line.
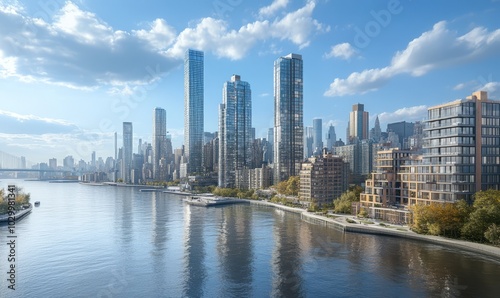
(286,257)
(194,252)
(234,248)
(159,239)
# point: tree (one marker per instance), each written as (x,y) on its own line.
(486,212)
(440,219)
(493,234)
(289,187)
(344,203)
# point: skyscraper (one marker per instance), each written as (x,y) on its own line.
(317,136)
(159,139)
(358,123)
(288,116)
(127,151)
(308,141)
(235,130)
(331,137)
(193,109)
(270,141)
(376,132)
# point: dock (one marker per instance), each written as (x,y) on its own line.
(209,201)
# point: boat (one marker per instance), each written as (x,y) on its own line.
(207,201)
(37,203)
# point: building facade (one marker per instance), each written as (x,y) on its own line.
(288,116)
(323,178)
(127,151)
(235,130)
(317,136)
(193,109)
(358,123)
(159,141)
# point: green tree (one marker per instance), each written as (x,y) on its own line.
(486,212)
(493,234)
(344,203)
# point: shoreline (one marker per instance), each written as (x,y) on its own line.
(339,223)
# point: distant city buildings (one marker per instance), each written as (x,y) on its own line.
(317,136)
(331,138)
(288,116)
(193,109)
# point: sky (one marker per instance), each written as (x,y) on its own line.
(71,72)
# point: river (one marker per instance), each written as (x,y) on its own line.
(106,241)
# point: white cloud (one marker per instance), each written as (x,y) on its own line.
(493,89)
(415,113)
(342,50)
(273,7)
(76,49)
(437,48)
(213,35)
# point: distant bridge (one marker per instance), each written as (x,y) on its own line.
(36,170)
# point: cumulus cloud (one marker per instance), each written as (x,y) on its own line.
(343,51)
(273,7)
(21,124)
(214,35)
(493,89)
(415,113)
(437,48)
(76,49)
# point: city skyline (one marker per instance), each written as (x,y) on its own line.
(349,60)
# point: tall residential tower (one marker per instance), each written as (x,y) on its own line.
(235,130)
(159,139)
(193,109)
(288,117)
(127,151)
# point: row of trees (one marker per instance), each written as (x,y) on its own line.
(344,202)
(21,199)
(479,222)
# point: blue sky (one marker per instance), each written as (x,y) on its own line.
(72,71)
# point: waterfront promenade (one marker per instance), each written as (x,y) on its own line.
(370,226)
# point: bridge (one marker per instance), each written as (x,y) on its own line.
(36,170)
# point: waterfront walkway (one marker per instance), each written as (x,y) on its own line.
(350,223)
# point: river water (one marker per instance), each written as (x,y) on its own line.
(105,241)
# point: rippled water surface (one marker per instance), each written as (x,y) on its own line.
(104,241)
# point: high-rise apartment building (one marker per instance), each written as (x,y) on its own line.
(235,130)
(159,139)
(193,109)
(270,141)
(127,151)
(461,151)
(461,155)
(288,116)
(358,123)
(317,136)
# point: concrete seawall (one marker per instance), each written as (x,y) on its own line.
(339,223)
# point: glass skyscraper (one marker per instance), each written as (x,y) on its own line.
(193,109)
(127,151)
(288,117)
(317,136)
(235,130)
(159,139)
